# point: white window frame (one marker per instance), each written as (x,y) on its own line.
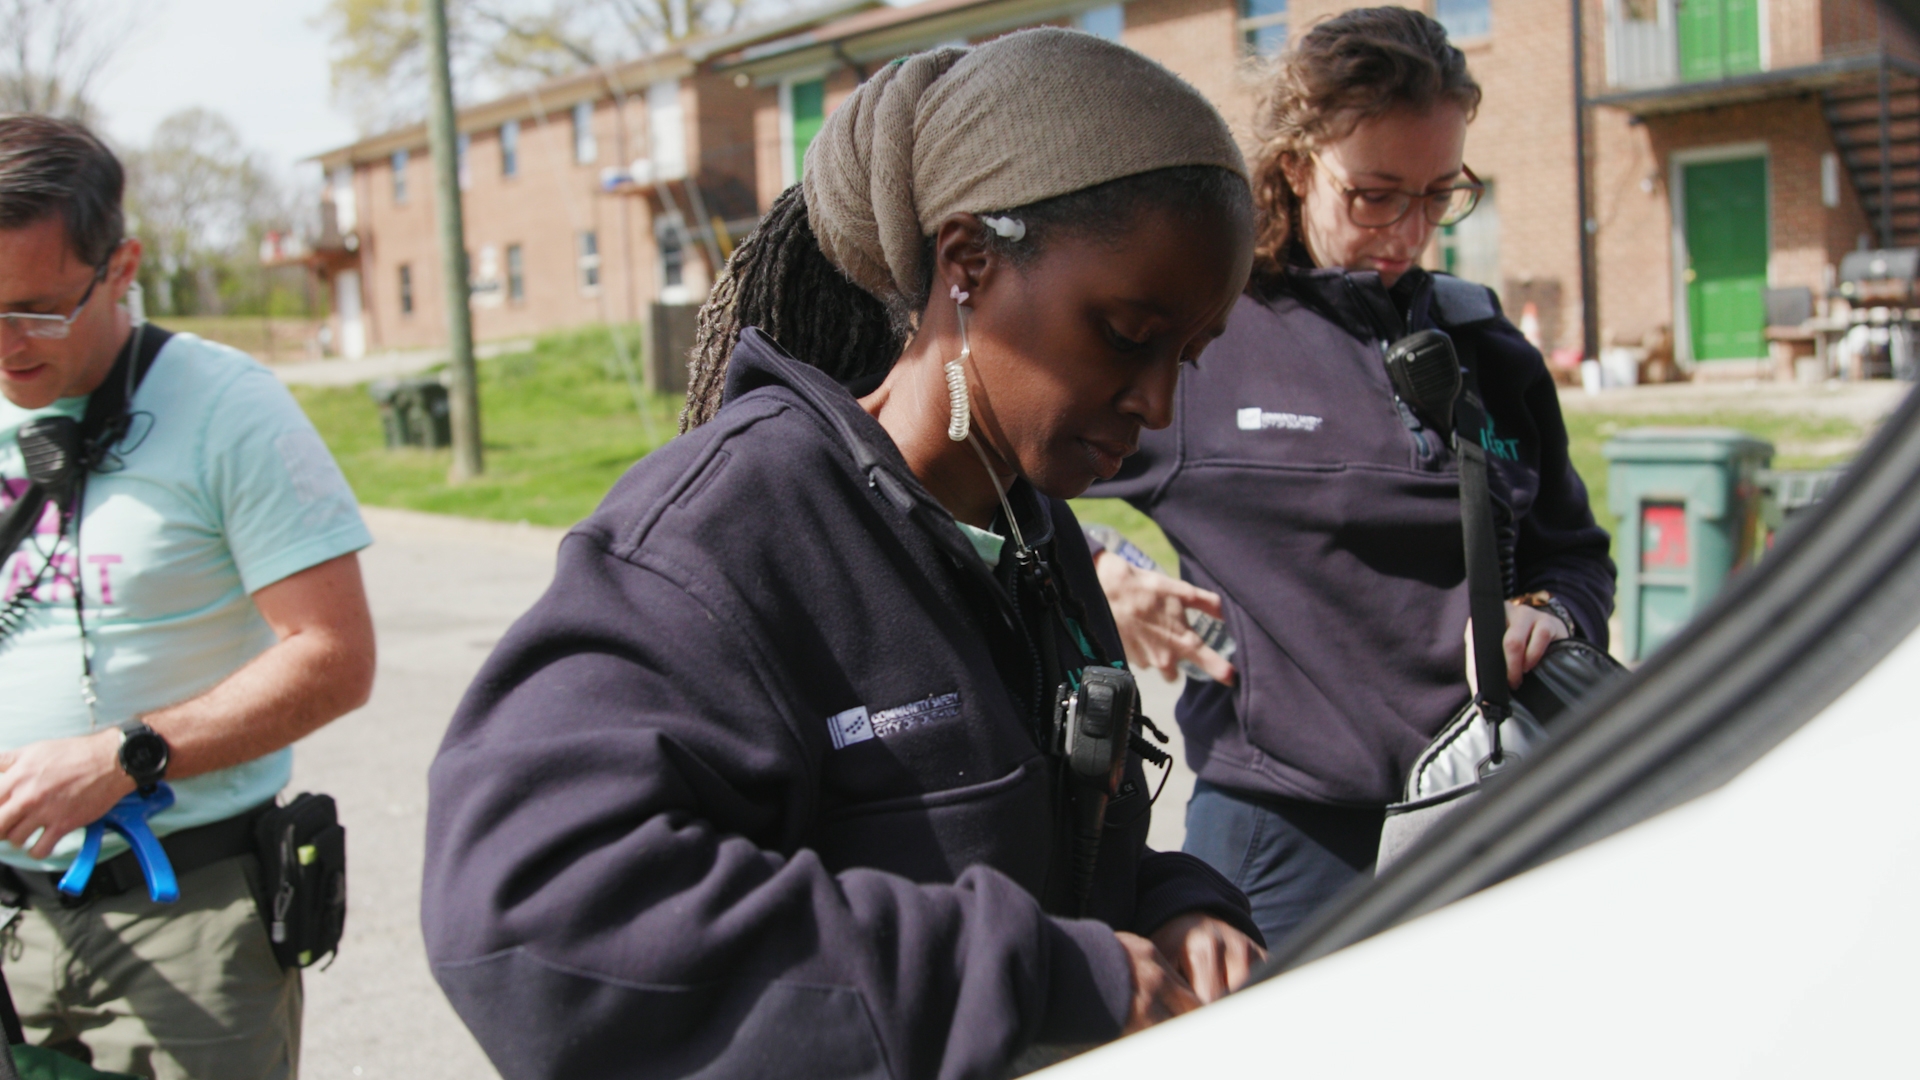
(1677,163)
(1080,20)
(666,131)
(1244,26)
(589,263)
(1482,36)
(586,148)
(789,174)
(397,165)
(509,149)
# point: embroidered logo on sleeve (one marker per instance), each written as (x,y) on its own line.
(1254,418)
(852,726)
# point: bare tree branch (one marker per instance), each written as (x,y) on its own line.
(55,50)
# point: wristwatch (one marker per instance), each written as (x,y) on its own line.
(1549,603)
(143,755)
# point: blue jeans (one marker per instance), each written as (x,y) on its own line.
(1289,857)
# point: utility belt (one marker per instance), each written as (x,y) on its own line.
(302,881)
(188,850)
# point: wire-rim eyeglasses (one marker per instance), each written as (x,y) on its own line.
(1382,208)
(55,327)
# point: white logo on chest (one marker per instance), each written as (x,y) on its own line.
(1254,418)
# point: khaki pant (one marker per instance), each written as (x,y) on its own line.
(169,991)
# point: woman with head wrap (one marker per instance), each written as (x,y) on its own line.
(1317,512)
(767,783)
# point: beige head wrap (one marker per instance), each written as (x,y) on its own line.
(1025,117)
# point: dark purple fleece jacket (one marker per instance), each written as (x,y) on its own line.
(751,791)
(1295,484)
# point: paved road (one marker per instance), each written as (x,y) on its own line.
(443,591)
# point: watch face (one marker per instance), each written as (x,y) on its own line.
(144,755)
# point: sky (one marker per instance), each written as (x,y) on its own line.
(260,63)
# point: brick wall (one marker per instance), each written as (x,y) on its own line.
(1199,40)
(542,209)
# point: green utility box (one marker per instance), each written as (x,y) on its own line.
(1688,500)
(413,412)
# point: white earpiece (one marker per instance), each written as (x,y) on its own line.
(959,405)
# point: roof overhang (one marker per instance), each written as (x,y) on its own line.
(556,95)
(1756,86)
(533,103)
(882,34)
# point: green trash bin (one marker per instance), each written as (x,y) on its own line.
(1688,502)
(413,412)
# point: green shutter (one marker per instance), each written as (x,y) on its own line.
(1718,38)
(1726,206)
(809,103)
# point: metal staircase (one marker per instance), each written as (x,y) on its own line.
(1889,172)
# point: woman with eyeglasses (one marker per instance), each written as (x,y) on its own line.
(1314,512)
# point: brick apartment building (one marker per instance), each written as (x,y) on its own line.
(1733,147)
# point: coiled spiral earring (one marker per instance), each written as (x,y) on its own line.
(959,405)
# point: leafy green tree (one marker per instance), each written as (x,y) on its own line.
(200,200)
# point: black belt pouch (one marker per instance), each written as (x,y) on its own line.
(303,864)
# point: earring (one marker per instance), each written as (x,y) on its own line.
(960,408)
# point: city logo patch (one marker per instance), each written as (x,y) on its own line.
(857,725)
(852,726)
(902,718)
(1254,418)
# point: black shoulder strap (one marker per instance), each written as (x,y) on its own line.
(101,427)
(1481,539)
(105,421)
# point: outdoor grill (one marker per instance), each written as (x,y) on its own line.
(1878,287)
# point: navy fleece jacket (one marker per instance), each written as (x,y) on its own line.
(752,790)
(1295,484)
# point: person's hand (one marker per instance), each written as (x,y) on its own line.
(57,786)
(1529,631)
(1150,610)
(1208,952)
(1159,993)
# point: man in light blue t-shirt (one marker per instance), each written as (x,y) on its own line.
(203,599)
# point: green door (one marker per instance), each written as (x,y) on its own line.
(809,101)
(1726,206)
(1718,38)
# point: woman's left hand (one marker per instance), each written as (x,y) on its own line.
(1214,957)
(1529,631)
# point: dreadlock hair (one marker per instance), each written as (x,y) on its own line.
(779,281)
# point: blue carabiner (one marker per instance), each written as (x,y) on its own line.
(129,818)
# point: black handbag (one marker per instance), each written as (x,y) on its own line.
(1497,727)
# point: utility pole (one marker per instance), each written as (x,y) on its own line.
(1589,272)
(464,394)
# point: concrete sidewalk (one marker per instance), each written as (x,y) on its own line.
(443,591)
(387,365)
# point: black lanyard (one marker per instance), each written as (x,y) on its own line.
(96,445)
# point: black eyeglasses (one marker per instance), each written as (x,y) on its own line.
(55,327)
(1380,208)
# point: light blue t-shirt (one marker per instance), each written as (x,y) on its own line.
(226,488)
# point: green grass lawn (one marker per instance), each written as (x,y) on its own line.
(560,426)
(1800,442)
